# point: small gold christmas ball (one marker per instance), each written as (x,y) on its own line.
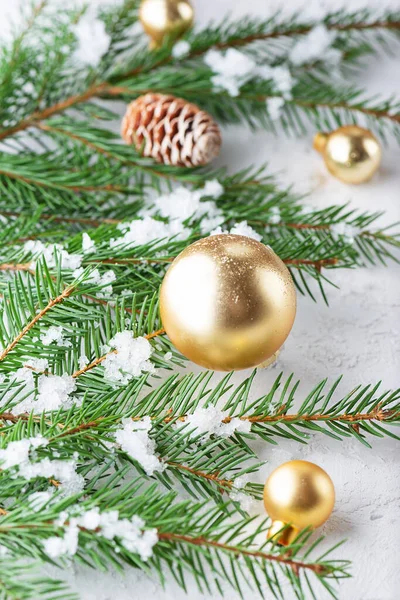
(227,302)
(161,18)
(351,153)
(298,493)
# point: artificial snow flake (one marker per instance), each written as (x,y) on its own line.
(37,364)
(241,228)
(183,204)
(39,499)
(247,502)
(57,546)
(17,453)
(93,39)
(130,533)
(143,231)
(234,68)
(168,355)
(274,215)
(54,334)
(181,49)
(64,471)
(83,361)
(275,106)
(88,244)
(130,359)
(345,231)
(49,253)
(281,77)
(315,45)
(134,439)
(213,188)
(210,421)
(53,391)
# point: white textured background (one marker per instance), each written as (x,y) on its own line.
(357,335)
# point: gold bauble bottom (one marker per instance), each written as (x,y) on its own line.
(228,302)
(270,361)
(162,18)
(299,494)
(351,153)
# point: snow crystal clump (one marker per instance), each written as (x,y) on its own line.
(130,533)
(130,359)
(88,244)
(241,228)
(247,502)
(49,253)
(53,391)
(17,453)
(281,77)
(39,499)
(213,188)
(315,45)
(274,107)
(143,231)
(54,334)
(92,39)
(57,546)
(345,231)
(134,439)
(274,215)
(83,361)
(234,68)
(64,471)
(37,364)
(181,49)
(183,204)
(95,277)
(210,421)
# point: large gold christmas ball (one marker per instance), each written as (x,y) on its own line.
(351,153)
(300,494)
(227,302)
(161,18)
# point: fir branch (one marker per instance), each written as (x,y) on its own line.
(214,540)
(22,581)
(53,302)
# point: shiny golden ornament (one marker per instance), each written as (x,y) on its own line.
(162,18)
(227,302)
(299,494)
(351,153)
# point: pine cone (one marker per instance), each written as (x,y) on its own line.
(171,130)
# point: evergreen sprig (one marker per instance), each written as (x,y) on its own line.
(64,173)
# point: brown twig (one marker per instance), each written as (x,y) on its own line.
(53,302)
(377,414)
(222,483)
(60,219)
(27,267)
(283,559)
(316,264)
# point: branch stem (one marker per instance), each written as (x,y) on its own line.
(239,551)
